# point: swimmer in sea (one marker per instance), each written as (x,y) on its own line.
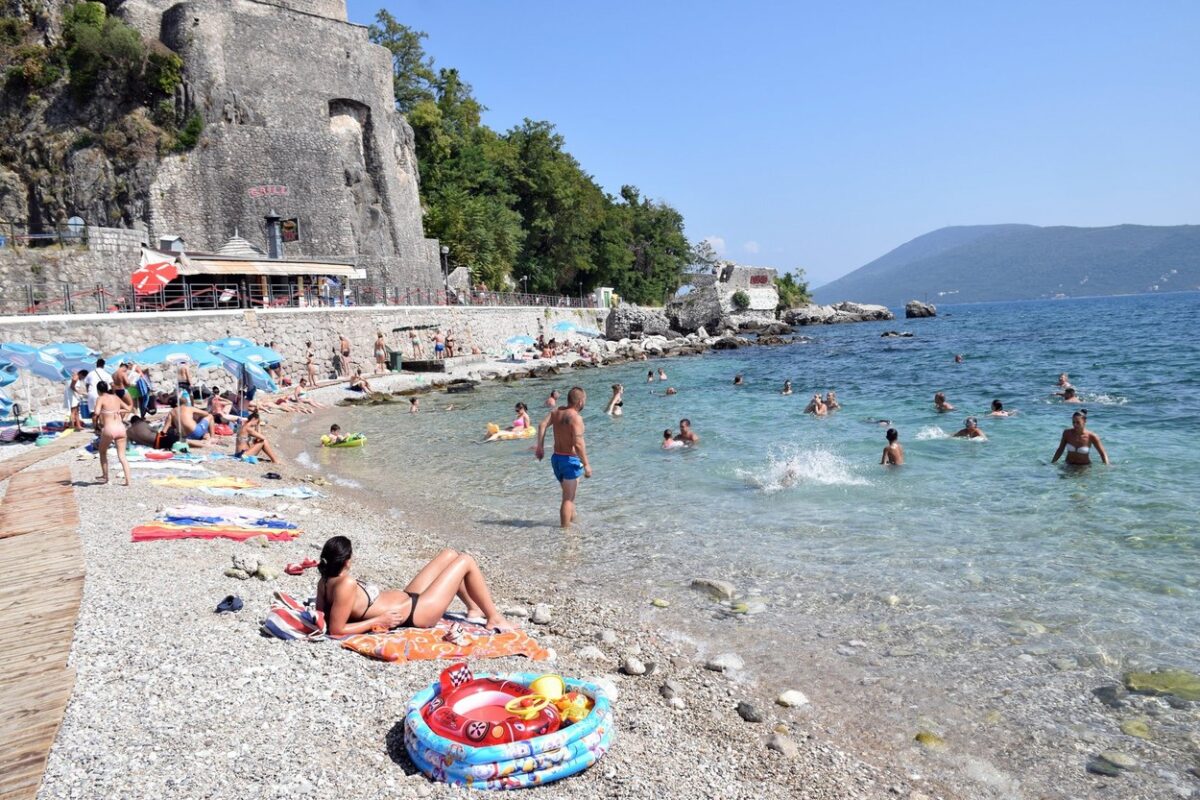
(1064,382)
(958,359)
(552,400)
(522,420)
(970,430)
(939,403)
(1077,441)
(662,374)
(1070,395)
(616,402)
(672,390)
(787,387)
(650,376)
(998,410)
(816,406)
(737,379)
(669,442)
(893,454)
(831,401)
(686,434)
(414,405)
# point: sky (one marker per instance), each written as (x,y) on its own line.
(821,136)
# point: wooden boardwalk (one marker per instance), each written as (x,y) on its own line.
(41,562)
(11,466)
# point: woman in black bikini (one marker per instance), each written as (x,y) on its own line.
(354,606)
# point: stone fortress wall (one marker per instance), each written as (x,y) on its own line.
(108,257)
(486,327)
(299,117)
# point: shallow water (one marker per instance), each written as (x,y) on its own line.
(977,539)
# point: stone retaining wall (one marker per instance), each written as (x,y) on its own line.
(290,329)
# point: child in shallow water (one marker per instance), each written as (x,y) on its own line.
(335,433)
(669,440)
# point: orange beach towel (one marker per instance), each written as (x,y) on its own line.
(426,644)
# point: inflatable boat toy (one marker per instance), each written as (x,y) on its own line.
(353,440)
(159,455)
(505,731)
(495,434)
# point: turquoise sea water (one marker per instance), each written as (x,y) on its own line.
(976,539)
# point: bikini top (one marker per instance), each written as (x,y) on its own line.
(1081,450)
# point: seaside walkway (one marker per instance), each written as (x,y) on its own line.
(41,560)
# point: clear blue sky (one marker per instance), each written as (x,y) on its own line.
(823,135)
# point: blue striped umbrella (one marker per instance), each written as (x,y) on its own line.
(35,361)
(8,372)
(263,356)
(197,353)
(73,355)
(232,343)
(240,366)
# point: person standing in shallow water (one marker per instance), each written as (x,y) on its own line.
(1077,441)
(893,454)
(570,461)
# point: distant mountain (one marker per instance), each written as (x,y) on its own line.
(981,263)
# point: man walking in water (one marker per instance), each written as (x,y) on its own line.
(570,456)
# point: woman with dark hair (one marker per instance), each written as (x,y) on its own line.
(1078,442)
(108,413)
(893,454)
(251,442)
(998,410)
(355,606)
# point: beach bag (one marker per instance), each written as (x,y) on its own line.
(290,619)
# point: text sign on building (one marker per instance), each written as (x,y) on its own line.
(289,229)
(267,191)
(759,280)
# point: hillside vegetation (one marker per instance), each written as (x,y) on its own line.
(983,263)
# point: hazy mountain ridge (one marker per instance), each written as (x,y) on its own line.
(981,263)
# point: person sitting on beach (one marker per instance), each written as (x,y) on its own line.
(787,387)
(662,374)
(998,410)
(616,402)
(358,383)
(552,400)
(335,434)
(831,401)
(816,406)
(1077,441)
(191,423)
(251,442)
(414,405)
(893,454)
(219,406)
(669,441)
(354,606)
(298,399)
(970,430)
(1069,395)
(737,379)
(107,416)
(686,434)
(939,403)
(142,432)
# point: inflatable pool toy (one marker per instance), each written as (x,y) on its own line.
(353,440)
(159,455)
(504,756)
(494,434)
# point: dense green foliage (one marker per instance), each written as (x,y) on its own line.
(516,206)
(741,300)
(793,290)
(983,263)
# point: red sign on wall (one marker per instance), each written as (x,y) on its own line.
(759,280)
(267,191)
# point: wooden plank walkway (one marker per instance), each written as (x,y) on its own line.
(11,466)
(42,563)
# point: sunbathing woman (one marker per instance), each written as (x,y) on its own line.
(354,606)
(251,442)
(109,409)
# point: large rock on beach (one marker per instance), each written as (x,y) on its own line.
(915,309)
(716,588)
(1178,682)
(813,314)
(630,322)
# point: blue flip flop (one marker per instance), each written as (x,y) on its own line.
(230,605)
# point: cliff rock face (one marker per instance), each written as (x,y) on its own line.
(298,116)
(711,303)
(634,322)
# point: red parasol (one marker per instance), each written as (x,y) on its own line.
(151,277)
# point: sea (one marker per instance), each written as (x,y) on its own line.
(978,591)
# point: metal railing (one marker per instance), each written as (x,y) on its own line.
(67,298)
(15,235)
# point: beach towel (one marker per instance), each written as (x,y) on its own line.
(235,515)
(426,644)
(154,531)
(221,482)
(172,465)
(293,492)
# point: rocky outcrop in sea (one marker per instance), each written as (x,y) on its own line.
(915,309)
(813,314)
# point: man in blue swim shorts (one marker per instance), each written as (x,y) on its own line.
(570,460)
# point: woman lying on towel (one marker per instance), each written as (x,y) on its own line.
(355,606)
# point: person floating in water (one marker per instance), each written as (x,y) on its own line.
(831,401)
(958,359)
(570,460)
(1069,395)
(669,441)
(787,387)
(970,430)
(893,454)
(998,410)
(1064,382)
(335,434)
(737,379)
(939,403)
(672,390)
(1077,442)
(816,406)
(686,434)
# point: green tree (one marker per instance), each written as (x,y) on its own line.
(702,257)
(793,289)
(412,70)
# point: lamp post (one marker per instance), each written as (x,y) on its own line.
(524,284)
(446,272)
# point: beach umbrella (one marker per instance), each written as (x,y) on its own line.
(153,275)
(520,341)
(73,355)
(263,356)
(197,353)
(5,405)
(232,342)
(245,370)
(595,334)
(566,326)
(8,372)
(33,360)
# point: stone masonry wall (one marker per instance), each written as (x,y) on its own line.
(109,257)
(288,328)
